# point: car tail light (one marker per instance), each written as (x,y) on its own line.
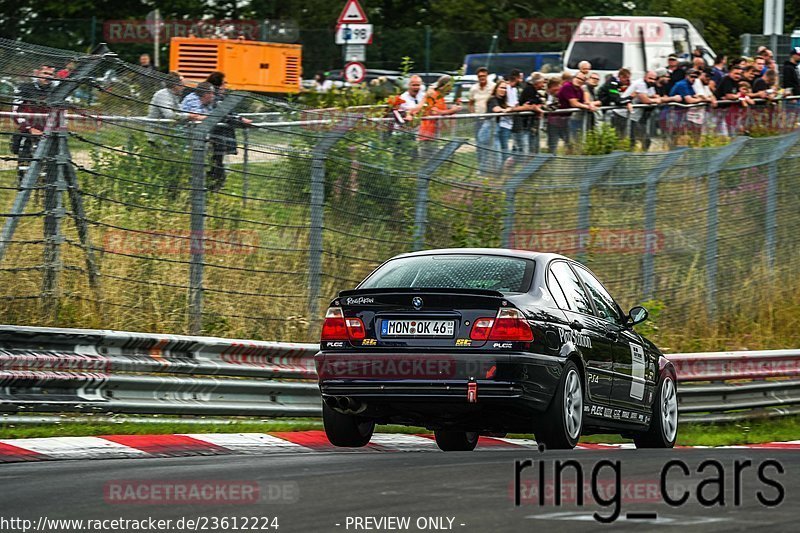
(481,329)
(510,325)
(338,328)
(334,327)
(355,328)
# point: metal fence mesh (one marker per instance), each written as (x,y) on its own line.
(115,221)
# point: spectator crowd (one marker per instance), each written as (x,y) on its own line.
(687,98)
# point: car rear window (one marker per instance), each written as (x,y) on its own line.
(505,274)
(602,56)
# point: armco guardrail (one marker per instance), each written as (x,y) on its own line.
(63,370)
(72,370)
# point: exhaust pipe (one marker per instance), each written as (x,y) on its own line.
(349,404)
(332,402)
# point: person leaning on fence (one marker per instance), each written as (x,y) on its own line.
(499,104)
(435,106)
(590,90)
(531,100)
(610,94)
(199,104)
(165,105)
(728,90)
(641,92)
(570,96)
(790,79)
(670,118)
(479,95)
(30,114)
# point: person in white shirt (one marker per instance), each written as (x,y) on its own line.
(641,92)
(413,98)
(479,95)
(697,116)
(322,85)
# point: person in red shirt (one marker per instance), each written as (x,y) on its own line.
(570,96)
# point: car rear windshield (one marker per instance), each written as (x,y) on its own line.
(602,56)
(451,271)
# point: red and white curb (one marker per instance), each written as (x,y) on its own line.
(140,446)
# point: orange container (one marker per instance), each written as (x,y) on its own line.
(248,65)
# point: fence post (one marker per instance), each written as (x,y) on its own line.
(511,193)
(53,216)
(423,183)
(712,219)
(650,197)
(198,212)
(245,164)
(771,215)
(317,213)
(600,169)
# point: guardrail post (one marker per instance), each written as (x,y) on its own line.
(650,197)
(423,184)
(511,193)
(198,214)
(317,214)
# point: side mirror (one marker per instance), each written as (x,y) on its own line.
(636,315)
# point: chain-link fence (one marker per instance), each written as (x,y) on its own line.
(115,220)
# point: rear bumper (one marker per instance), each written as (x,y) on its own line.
(432,389)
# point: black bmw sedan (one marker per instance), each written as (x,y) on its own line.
(485,341)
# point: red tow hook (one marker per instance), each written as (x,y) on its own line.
(472,392)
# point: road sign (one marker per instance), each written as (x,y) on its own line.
(355,52)
(354,72)
(354,34)
(352,13)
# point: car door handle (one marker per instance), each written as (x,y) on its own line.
(611,334)
(577,326)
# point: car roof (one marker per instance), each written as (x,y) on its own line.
(507,252)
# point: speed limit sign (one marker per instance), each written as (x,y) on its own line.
(354,72)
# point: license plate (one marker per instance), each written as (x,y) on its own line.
(417,328)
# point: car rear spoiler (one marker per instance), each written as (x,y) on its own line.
(403,290)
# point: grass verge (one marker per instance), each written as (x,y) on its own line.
(747,432)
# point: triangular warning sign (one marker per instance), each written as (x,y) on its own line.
(352,13)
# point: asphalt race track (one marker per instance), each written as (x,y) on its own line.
(470,492)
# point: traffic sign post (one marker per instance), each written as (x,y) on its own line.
(354,72)
(352,13)
(355,52)
(354,32)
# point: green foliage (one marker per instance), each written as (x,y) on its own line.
(601,140)
(649,328)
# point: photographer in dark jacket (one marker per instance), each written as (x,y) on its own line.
(789,76)
(223,136)
(30,110)
(610,93)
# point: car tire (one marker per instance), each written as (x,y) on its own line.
(563,420)
(346,431)
(456,441)
(663,431)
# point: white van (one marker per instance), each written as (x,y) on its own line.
(637,43)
